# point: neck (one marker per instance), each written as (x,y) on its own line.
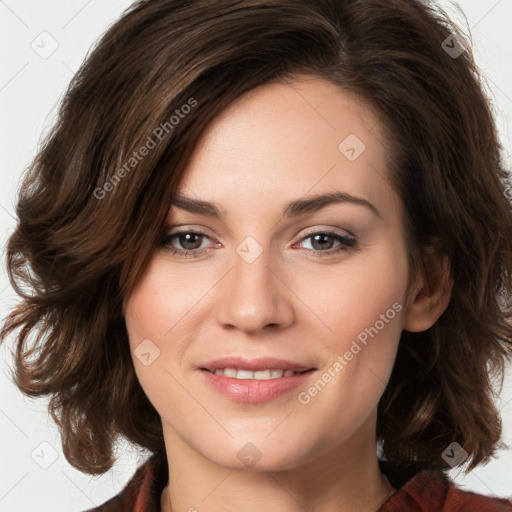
(345,478)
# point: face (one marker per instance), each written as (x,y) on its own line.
(275,281)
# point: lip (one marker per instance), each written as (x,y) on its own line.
(262,363)
(253,390)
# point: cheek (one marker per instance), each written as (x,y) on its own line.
(156,305)
(360,306)
(365,324)
(373,306)
(358,361)
(163,317)
(364,310)
(162,302)
(355,298)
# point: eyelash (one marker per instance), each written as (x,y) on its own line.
(347,243)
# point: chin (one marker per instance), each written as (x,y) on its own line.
(254,456)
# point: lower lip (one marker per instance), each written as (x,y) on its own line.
(251,390)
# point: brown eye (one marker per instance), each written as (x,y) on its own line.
(189,240)
(189,243)
(320,241)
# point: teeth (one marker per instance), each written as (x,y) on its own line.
(257,375)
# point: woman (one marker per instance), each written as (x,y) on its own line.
(170,234)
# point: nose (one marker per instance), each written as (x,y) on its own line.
(254,296)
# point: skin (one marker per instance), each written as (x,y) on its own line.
(299,299)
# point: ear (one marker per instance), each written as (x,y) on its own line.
(429,294)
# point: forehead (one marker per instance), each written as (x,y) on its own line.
(285,139)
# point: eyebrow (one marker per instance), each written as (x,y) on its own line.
(292,209)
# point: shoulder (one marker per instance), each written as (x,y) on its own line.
(430,490)
(142,491)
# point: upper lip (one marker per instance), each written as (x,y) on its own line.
(263,363)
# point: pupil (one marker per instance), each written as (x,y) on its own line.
(315,240)
(187,238)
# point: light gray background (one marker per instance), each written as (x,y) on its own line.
(31,84)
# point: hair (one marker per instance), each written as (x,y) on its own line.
(92,205)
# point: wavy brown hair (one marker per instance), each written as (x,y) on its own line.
(87,228)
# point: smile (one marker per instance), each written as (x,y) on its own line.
(254,386)
(257,375)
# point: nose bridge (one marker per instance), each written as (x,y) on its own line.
(253,297)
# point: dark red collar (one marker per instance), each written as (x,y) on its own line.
(417,491)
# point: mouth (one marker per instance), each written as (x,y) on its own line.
(242,364)
(254,380)
(267,374)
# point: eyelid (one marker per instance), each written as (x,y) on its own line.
(330,230)
(202,231)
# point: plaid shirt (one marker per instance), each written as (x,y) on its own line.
(417,491)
